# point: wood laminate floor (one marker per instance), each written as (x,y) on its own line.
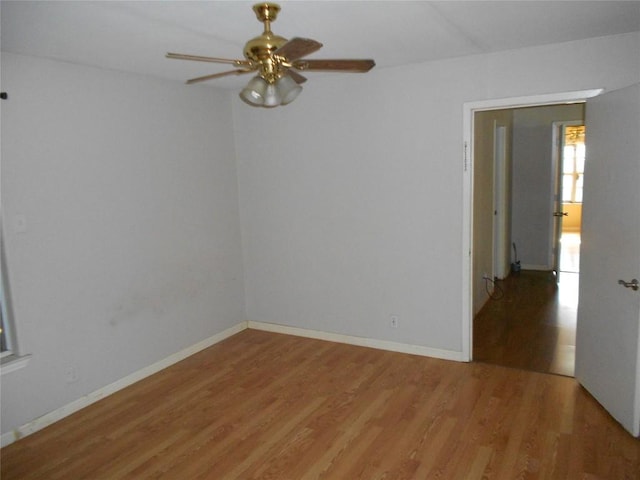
(531,324)
(268,406)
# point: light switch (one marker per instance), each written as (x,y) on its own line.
(19,223)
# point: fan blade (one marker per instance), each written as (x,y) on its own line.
(297,48)
(217,75)
(197,58)
(296,76)
(337,65)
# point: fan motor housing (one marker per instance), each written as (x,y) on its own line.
(260,48)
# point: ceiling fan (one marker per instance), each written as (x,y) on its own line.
(277,62)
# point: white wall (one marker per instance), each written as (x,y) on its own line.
(350,207)
(351,197)
(132,249)
(350,204)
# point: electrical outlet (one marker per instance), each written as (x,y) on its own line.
(393,321)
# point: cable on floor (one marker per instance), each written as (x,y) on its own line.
(496,288)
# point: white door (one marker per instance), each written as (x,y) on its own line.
(501,211)
(607,343)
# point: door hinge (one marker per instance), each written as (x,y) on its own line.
(466,158)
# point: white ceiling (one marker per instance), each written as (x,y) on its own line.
(133,36)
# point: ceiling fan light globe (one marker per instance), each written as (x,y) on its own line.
(255,92)
(271,96)
(288,89)
(251,97)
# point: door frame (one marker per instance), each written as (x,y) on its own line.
(469,109)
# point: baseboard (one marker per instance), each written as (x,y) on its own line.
(62,412)
(541,268)
(359,341)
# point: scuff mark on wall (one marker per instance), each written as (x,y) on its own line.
(164,291)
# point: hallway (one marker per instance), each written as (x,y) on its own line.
(530,323)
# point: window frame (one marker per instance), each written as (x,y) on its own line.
(10,358)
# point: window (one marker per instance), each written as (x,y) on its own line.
(4,343)
(5,333)
(573,164)
(10,359)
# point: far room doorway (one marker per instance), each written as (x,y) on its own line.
(572,157)
(527,193)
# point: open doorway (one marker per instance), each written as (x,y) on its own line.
(571,163)
(605,369)
(472,278)
(571,178)
(525,316)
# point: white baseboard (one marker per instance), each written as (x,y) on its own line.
(62,412)
(541,268)
(360,341)
(52,417)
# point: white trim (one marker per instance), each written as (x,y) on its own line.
(539,268)
(467,235)
(359,341)
(66,410)
(579,96)
(468,110)
(555,223)
(13,362)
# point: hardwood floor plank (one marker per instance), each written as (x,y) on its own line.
(435,450)
(351,432)
(530,324)
(261,405)
(479,462)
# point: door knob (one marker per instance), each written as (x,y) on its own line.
(633,284)
(560,214)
